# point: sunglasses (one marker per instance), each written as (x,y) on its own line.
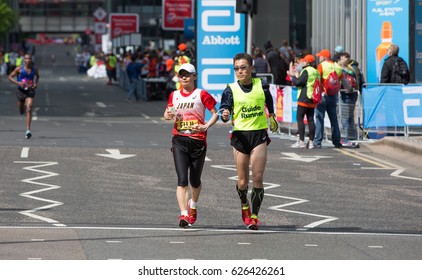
(243,68)
(185,74)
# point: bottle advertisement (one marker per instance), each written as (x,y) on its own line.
(387,23)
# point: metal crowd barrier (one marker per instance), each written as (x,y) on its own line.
(343,112)
(410,100)
(379,131)
(155,88)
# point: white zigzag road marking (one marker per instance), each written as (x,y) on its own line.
(49,187)
(380,163)
(296,201)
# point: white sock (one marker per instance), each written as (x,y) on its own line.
(193,204)
(184,213)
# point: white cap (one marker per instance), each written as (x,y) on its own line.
(187,67)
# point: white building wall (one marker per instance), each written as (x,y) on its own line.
(340,22)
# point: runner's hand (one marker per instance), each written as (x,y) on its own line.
(273,124)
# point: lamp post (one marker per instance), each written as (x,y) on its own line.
(248,7)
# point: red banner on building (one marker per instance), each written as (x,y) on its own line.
(174,12)
(123,24)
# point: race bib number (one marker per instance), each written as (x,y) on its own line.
(186,125)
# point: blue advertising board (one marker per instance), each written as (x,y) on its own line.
(189,28)
(392,106)
(387,23)
(220,35)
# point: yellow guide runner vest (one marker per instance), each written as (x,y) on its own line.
(249,107)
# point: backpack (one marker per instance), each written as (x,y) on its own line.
(317,92)
(351,80)
(332,84)
(400,73)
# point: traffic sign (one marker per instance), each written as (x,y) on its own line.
(100,14)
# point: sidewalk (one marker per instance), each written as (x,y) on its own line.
(407,150)
(410,144)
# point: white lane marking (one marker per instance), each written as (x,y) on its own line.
(115,154)
(101,105)
(375,247)
(25,152)
(207,158)
(204,229)
(48,187)
(244,243)
(145,116)
(381,164)
(34,113)
(177,242)
(37,240)
(113,241)
(399,171)
(268,186)
(375,168)
(294,156)
(311,245)
(325,219)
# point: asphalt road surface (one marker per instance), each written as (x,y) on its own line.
(97,181)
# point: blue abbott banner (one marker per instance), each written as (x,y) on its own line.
(387,23)
(392,106)
(220,35)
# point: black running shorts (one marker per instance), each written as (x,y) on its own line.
(189,157)
(22,94)
(246,141)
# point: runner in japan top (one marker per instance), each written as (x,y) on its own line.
(190,110)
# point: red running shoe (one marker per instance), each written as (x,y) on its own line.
(184,221)
(192,214)
(254,223)
(246,214)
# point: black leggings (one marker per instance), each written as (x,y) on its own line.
(189,157)
(309,112)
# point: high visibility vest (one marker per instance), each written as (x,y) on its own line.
(249,108)
(181,60)
(19,61)
(313,74)
(112,62)
(92,60)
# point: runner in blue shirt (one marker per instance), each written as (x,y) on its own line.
(27,81)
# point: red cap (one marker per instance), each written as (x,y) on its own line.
(308,58)
(182,47)
(324,53)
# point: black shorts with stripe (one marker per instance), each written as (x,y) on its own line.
(246,141)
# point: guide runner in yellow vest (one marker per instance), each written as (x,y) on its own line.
(246,100)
